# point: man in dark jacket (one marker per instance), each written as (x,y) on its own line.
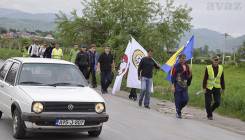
(92,64)
(145,72)
(106,66)
(82,61)
(181,79)
(48,51)
(213,85)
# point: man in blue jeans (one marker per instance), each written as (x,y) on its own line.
(145,70)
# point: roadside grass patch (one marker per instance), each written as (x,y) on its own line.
(6,53)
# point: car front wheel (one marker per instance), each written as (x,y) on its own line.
(18,125)
(95,133)
(1,113)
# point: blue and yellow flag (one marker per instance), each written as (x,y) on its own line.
(187,50)
(171,62)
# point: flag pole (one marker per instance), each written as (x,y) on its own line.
(155,61)
(191,62)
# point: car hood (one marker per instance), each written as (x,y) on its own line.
(62,94)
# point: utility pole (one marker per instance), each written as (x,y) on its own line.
(223,48)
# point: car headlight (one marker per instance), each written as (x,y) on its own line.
(99,108)
(37,107)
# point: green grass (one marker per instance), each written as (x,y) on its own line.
(6,53)
(233,101)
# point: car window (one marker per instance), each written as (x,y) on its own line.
(11,76)
(51,74)
(4,69)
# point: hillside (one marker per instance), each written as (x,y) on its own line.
(213,39)
(30,25)
(21,20)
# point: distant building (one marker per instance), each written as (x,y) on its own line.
(9,35)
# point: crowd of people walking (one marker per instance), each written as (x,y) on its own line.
(90,62)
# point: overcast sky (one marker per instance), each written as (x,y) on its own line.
(219,15)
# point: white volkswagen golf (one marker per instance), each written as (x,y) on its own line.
(47,95)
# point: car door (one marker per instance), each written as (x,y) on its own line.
(3,72)
(9,90)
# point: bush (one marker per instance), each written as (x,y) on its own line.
(6,53)
(197,61)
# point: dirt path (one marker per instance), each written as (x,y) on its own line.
(168,108)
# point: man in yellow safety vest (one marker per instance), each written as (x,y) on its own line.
(57,52)
(213,85)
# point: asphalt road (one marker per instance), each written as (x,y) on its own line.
(128,121)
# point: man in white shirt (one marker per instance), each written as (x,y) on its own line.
(34,49)
(42,49)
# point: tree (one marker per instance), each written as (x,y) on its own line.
(112,22)
(241,52)
(12,30)
(3,30)
(206,50)
(174,22)
(197,52)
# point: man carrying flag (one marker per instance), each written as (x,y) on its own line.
(181,75)
(181,79)
(145,70)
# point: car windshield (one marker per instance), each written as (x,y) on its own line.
(51,75)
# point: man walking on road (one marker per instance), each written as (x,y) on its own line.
(34,49)
(181,79)
(213,85)
(57,52)
(82,61)
(106,65)
(48,51)
(42,49)
(145,72)
(92,64)
(73,53)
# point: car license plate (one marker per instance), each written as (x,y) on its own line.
(70,122)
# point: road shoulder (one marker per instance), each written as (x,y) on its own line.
(166,107)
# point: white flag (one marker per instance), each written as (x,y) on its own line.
(137,53)
(122,70)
